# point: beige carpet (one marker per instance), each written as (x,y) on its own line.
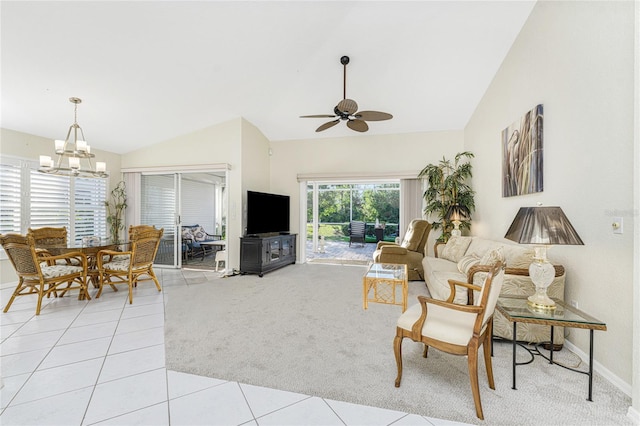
(302,329)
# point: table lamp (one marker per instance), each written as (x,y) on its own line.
(542,227)
(456,214)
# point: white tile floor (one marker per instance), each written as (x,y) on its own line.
(101,362)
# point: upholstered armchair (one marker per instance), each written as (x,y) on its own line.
(410,252)
(455,329)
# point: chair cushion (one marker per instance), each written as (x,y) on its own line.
(55,271)
(455,248)
(121,264)
(199,233)
(446,325)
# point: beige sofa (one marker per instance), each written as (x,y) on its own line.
(467,259)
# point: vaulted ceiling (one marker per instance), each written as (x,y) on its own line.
(148,71)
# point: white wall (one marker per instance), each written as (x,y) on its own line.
(576,58)
(364,154)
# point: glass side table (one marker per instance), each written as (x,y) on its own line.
(385,279)
(515,309)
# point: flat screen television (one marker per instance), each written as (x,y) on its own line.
(267,213)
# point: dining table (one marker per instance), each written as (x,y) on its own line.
(89,248)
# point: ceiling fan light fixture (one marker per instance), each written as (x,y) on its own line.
(347,110)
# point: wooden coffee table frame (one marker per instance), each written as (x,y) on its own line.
(552,318)
(383,278)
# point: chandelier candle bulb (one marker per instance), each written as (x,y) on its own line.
(81,146)
(101,166)
(74,162)
(45,161)
(59,146)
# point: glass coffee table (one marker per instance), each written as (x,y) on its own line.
(516,309)
(385,281)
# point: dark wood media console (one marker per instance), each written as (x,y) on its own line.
(264,253)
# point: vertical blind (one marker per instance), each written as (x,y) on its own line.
(30,199)
(158,201)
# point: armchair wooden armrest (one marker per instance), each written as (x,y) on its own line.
(468,286)
(436,247)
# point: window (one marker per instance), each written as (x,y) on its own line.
(30,199)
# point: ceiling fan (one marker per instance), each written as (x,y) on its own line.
(347,110)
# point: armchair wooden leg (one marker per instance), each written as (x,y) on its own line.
(397,350)
(425,352)
(472,358)
(487,360)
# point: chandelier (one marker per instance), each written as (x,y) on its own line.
(71,153)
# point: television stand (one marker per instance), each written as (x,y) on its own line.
(260,254)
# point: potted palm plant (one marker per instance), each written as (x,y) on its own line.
(448,191)
(115,205)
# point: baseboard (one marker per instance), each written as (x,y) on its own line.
(600,369)
(634,415)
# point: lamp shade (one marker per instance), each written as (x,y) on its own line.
(542,225)
(457,212)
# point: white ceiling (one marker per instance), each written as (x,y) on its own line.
(148,71)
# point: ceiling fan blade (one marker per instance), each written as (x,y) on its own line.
(373,115)
(348,106)
(327,125)
(357,125)
(318,116)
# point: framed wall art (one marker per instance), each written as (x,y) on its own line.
(522,155)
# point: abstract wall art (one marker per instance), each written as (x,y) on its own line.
(522,155)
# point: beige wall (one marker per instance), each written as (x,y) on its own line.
(30,147)
(576,58)
(217,144)
(402,153)
(255,166)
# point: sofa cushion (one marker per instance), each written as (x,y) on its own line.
(455,248)
(467,261)
(437,273)
(492,256)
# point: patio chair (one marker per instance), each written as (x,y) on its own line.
(43,278)
(356,232)
(192,236)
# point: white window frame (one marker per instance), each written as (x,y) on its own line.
(95,208)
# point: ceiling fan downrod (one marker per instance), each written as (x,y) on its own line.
(344,61)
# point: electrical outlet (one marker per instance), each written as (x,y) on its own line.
(574,303)
(617,225)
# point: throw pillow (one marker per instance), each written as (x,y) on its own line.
(455,248)
(492,256)
(466,262)
(199,233)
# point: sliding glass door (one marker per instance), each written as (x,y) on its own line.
(173,200)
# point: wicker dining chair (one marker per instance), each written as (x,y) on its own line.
(47,238)
(40,274)
(130,265)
